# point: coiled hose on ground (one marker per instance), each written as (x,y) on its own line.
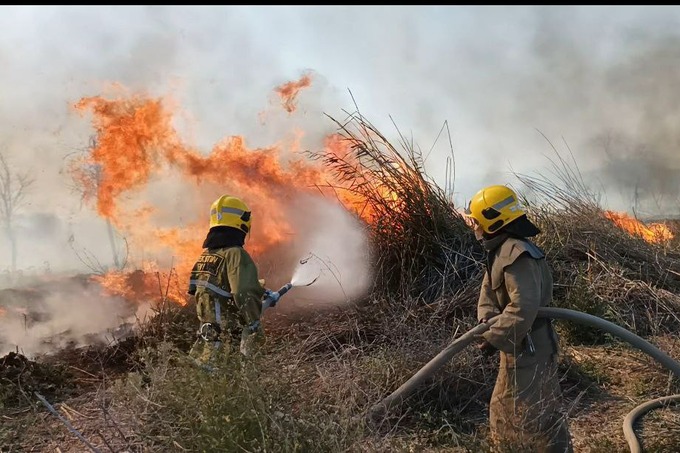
(399,395)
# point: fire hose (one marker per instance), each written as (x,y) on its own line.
(456,346)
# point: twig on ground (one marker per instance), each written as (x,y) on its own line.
(66,422)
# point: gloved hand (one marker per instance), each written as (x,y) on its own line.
(273,296)
(487,348)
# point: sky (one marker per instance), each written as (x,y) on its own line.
(597,82)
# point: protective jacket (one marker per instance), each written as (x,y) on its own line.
(524,410)
(228,292)
(518,281)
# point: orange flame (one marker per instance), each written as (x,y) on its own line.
(146,284)
(653,232)
(147,182)
(339,148)
(289,91)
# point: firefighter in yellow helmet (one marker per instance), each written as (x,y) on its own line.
(524,412)
(225,283)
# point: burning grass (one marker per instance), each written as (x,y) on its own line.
(601,265)
(422,246)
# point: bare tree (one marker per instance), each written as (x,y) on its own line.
(13,189)
(86,176)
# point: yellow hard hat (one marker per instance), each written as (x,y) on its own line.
(494,207)
(230,212)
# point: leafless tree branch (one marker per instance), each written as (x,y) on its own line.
(14,187)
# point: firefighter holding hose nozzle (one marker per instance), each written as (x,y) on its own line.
(224,281)
(524,411)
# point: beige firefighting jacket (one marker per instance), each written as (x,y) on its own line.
(516,284)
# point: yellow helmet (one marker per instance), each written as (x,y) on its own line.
(230,212)
(494,207)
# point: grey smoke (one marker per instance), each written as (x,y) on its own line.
(44,317)
(496,74)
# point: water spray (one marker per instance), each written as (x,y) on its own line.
(305,275)
(272,297)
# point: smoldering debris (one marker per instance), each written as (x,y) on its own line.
(54,314)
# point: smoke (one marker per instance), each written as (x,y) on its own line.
(597,82)
(42,319)
(608,96)
(502,77)
(600,84)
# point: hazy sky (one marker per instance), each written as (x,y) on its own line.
(602,80)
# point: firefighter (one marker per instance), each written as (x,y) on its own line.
(524,411)
(225,283)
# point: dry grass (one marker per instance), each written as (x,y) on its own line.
(598,267)
(422,246)
(318,373)
(313,378)
(617,379)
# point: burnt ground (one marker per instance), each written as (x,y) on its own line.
(36,314)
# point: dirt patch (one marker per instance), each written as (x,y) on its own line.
(93,416)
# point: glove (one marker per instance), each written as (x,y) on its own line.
(273,296)
(487,348)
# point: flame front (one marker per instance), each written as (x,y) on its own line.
(146,182)
(653,232)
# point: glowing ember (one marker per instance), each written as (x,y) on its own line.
(144,285)
(653,232)
(289,91)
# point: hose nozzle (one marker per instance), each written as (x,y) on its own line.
(273,297)
(284,289)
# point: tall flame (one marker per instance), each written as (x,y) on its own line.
(157,190)
(653,232)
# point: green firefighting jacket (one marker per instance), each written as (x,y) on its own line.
(226,285)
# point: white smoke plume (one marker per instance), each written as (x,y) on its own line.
(36,320)
(332,250)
